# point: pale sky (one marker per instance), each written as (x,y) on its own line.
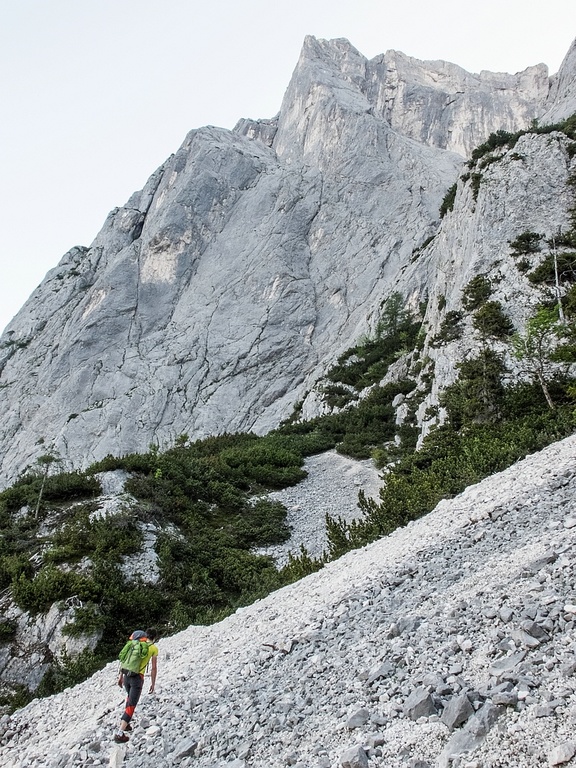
(96,94)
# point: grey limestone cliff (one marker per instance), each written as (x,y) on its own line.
(561,100)
(218,295)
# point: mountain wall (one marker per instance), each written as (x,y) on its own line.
(561,100)
(218,296)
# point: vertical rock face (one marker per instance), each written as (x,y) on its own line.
(442,105)
(561,102)
(526,190)
(219,294)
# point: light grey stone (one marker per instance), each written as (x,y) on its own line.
(382,670)
(562,753)
(358,719)
(505,698)
(507,663)
(419,704)
(184,748)
(506,614)
(375,740)
(484,719)
(534,629)
(355,757)
(457,711)
(116,757)
(543,710)
(460,743)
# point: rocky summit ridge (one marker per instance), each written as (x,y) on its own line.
(219,295)
(448,643)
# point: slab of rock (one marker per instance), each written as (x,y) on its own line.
(457,711)
(562,753)
(419,704)
(355,757)
(184,748)
(358,719)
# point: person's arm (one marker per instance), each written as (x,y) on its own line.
(120,678)
(153,673)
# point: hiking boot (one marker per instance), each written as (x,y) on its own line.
(128,727)
(121,738)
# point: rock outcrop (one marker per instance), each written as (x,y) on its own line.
(561,102)
(217,297)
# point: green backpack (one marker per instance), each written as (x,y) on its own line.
(133,654)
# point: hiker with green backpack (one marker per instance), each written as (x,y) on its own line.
(134,658)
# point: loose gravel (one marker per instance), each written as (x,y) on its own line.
(331,488)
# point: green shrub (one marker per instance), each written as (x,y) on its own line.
(569,302)
(19,495)
(185,571)
(451,329)
(338,396)
(408,434)
(16,698)
(523,266)
(545,272)
(8,629)
(487,160)
(526,243)
(476,292)
(67,671)
(373,423)
(417,251)
(12,566)
(367,363)
(112,537)
(447,463)
(476,180)
(267,464)
(243,574)
(491,322)
(262,523)
(299,566)
(61,487)
(503,138)
(49,586)
(477,395)
(88,620)
(494,141)
(360,429)
(65,486)
(448,201)
(134,462)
